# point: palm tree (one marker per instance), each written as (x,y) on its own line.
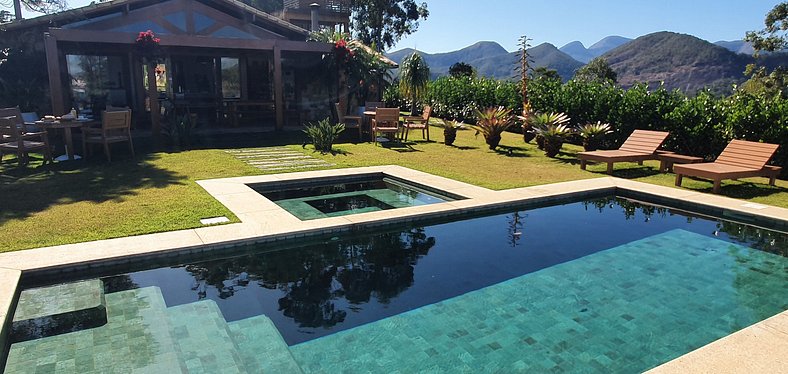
(414,75)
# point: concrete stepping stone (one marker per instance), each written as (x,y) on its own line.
(277,159)
(261,347)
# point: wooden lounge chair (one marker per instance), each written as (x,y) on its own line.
(640,146)
(419,123)
(740,159)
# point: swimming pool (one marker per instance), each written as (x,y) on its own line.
(331,197)
(605,284)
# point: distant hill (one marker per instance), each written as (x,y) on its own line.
(491,60)
(681,61)
(580,53)
(736,46)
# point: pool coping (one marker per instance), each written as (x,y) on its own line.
(262,221)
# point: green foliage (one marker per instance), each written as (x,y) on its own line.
(461,69)
(492,122)
(597,70)
(594,130)
(383,23)
(774,36)
(414,76)
(393,98)
(323,134)
(774,83)
(461,97)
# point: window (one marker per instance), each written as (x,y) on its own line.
(231,78)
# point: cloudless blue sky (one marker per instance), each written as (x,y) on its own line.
(454,24)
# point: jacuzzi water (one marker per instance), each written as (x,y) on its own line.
(329,198)
(603,285)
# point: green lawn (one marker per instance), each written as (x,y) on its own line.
(82,201)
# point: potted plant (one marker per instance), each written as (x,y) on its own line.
(450,130)
(491,123)
(592,134)
(553,137)
(540,121)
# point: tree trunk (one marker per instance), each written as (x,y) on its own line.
(18,9)
(413,105)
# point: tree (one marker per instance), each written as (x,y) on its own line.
(597,70)
(542,72)
(38,6)
(774,37)
(382,23)
(461,69)
(414,75)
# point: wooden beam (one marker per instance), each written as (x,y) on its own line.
(53,68)
(278,89)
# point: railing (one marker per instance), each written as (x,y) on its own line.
(333,6)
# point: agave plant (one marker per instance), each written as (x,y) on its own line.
(323,134)
(450,130)
(492,122)
(541,120)
(553,137)
(592,134)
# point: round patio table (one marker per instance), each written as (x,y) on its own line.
(66,126)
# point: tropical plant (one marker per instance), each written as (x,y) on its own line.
(553,137)
(450,130)
(414,76)
(178,129)
(528,133)
(491,123)
(323,133)
(592,134)
(540,121)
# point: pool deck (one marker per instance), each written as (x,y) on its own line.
(762,347)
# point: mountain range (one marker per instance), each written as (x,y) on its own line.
(679,60)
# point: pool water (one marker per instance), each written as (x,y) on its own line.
(369,194)
(605,285)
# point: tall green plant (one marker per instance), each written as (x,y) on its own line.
(323,134)
(414,76)
(492,122)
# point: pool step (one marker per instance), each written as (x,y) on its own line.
(262,348)
(59,309)
(125,344)
(203,339)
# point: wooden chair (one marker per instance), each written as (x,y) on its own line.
(351,122)
(740,159)
(419,123)
(115,128)
(640,146)
(21,144)
(386,121)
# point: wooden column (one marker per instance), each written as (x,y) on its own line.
(153,101)
(53,68)
(278,89)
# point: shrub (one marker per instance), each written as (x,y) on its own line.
(323,133)
(492,122)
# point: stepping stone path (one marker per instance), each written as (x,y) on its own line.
(278,159)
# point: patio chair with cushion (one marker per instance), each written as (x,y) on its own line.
(640,146)
(419,123)
(351,122)
(740,159)
(115,128)
(21,144)
(386,121)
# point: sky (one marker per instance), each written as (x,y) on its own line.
(454,24)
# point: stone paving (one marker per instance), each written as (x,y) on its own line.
(59,299)
(278,159)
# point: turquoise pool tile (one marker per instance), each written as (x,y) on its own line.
(625,309)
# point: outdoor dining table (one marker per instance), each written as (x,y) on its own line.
(368,116)
(66,125)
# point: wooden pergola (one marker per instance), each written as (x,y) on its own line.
(189,27)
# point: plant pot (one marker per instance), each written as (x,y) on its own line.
(493,141)
(590,144)
(539,141)
(528,135)
(449,136)
(552,147)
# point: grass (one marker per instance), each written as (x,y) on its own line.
(83,201)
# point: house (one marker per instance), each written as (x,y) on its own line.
(223,60)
